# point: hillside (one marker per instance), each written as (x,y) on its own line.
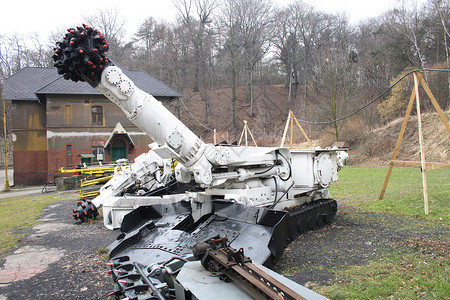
(372,147)
(377,147)
(269,112)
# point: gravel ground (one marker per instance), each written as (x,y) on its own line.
(69,266)
(354,238)
(75,269)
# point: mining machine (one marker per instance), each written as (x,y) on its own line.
(226,197)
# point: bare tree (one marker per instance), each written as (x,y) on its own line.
(111,26)
(233,45)
(442,8)
(17,53)
(6,69)
(334,87)
(197,17)
(408,22)
(150,38)
(302,32)
(145,36)
(254,18)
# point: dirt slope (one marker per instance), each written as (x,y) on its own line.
(368,146)
(269,112)
(377,147)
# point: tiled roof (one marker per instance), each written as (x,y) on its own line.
(24,83)
(29,82)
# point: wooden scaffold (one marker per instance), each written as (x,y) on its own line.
(245,133)
(418,79)
(290,122)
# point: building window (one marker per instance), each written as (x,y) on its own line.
(68,115)
(98,153)
(69,150)
(97,115)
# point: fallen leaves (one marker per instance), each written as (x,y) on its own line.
(427,246)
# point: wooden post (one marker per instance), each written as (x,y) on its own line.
(290,90)
(422,152)
(291,116)
(418,79)
(253,138)
(399,142)
(215,137)
(240,139)
(285,131)
(245,130)
(435,104)
(290,120)
(304,133)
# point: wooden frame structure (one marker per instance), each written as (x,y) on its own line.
(418,79)
(245,132)
(290,121)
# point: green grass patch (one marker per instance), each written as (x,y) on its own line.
(406,272)
(291,271)
(361,187)
(103,253)
(19,213)
(401,275)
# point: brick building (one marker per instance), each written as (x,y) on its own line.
(59,123)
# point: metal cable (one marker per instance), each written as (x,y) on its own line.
(374,100)
(339,119)
(187,109)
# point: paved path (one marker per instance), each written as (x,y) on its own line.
(58,259)
(21,191)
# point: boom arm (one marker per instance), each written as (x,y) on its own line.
(253,176)
(151,117)
(80,56)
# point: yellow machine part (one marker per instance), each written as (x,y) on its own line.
(90,171)
(96,180)
(89,194)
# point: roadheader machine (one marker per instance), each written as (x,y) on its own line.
(179,227)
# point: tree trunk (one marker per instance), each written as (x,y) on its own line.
(196,67)
(250,87)
(448,63)
(296,83)
(234,91)
(290,92)
(305,83)
(336,131)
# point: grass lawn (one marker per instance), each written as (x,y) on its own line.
(361,187)
(401,275)
(17,214)
(417,269)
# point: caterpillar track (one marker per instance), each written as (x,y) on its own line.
(136,255)
(313,215)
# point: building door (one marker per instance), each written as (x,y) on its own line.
(118,150)
(85,161)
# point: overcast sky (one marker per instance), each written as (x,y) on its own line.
(42,17)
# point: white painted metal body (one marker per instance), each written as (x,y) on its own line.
(149,171)
(257,176)
(196,279)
